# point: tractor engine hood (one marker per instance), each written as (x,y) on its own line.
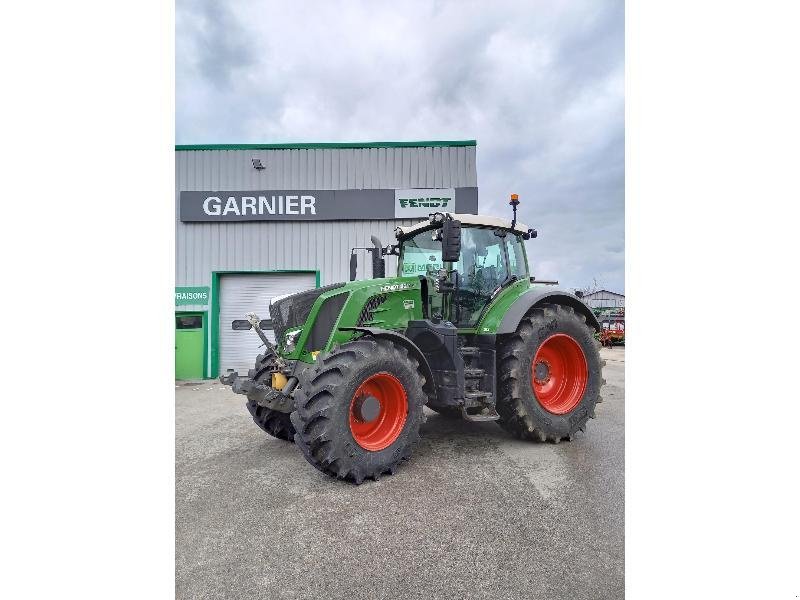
(292,311)
(315,313)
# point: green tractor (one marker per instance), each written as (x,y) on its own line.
(462,329)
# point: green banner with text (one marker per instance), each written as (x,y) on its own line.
(191,295)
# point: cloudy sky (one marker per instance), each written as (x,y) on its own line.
(538,84)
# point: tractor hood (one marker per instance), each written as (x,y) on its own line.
(289,312)
(292,311)
(326,316)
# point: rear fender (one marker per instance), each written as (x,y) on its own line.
(536,297)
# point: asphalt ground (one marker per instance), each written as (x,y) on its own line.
(475,513)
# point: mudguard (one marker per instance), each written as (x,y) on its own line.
(547,295)
(401,340)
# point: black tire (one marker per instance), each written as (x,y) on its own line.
(275,423)
(323,408)
(521,413)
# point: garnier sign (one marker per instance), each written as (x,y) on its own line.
(323,205)
(191,295)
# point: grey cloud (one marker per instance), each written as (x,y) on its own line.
(539,85)
(221,45)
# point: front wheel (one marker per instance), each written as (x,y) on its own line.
(359,409)
(549,375)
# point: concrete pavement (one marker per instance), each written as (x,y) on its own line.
(474,514)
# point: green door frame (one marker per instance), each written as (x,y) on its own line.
(215,276)
(204,314)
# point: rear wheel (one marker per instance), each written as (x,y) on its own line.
(358,410)
(275,423)
(549,375)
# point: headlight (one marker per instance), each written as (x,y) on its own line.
(290,341)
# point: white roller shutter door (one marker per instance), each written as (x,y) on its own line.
(244,293)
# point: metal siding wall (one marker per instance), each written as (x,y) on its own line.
(201,248)
(603,299)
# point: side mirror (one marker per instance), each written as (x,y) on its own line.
(241,325)
(451,240)
(353,266)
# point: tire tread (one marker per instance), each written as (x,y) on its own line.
(514,415)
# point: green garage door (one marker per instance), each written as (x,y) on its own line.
(189,338)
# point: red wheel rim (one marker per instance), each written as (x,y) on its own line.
(378,412)
(559,374)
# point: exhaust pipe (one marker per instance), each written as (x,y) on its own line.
(378,263)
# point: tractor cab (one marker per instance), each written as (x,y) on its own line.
(486,255)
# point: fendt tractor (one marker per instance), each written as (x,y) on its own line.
(462,329)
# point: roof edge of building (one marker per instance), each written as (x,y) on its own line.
(606,291)
(324,145)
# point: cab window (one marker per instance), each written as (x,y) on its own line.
(516,256)
(482,269)
(422,255)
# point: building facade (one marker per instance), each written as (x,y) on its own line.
(604,299)
(253,222)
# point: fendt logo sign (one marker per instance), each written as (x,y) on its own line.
(322,205)
(424,202)
(420,203)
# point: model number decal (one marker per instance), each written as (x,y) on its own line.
(396,287)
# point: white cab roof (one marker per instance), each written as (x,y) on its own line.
(468,219)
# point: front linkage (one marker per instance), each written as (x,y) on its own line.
(262,395)
(272,392)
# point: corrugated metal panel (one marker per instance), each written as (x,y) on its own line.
(604,298)
(201,248)
(368,168)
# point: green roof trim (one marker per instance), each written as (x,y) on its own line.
(322,145)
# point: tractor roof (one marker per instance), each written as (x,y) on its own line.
(466,219)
